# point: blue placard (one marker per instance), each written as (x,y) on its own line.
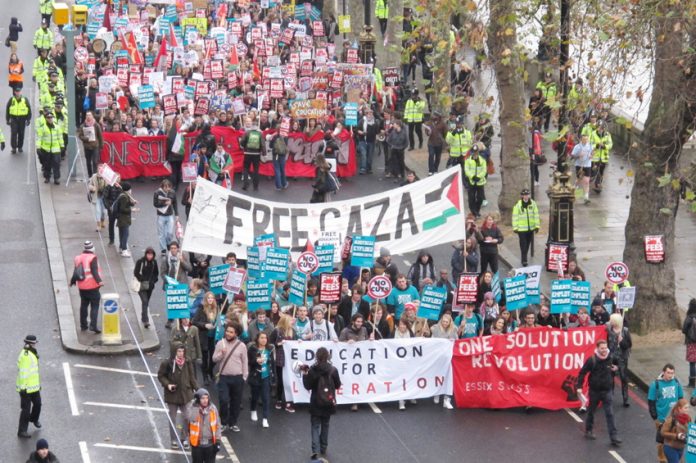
(431,302)
(189,92)
(163,27)
(325,254)
(253,263)
(351,114)
(516,292)
(92,28)
(149,60)
(561,296)
(177,301)
(495,287)
(298,285)
(216,277)
(146,96)
(581,295)
(690,449)
(362,251)
(258,295)
(170,14)
(276,264)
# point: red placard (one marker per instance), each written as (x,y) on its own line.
(202,107)
(557,253)
(616,272)
(294,58)
(654,248)
(337,79)
(467,288)
(122,76)
(232,80)
(307,263)
(276,88)
(352,55)
(306,68)
(534,367)
(329,288)
(169,102)
(317,28)
(202,89)
(287,35)
(177,85)
(379,287)
(216,71)
(284,126)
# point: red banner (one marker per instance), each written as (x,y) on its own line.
(537,367)
(135,156)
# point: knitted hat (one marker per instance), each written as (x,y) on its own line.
(88,246)
(41,444)
(384,252)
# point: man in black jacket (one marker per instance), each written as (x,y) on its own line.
(322,404)
(350,305)
(600,368)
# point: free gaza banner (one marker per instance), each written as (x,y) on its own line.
(376,371)
(534,367)
(428,211)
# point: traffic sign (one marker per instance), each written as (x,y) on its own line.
(307,263)
(379,287)
(616,272)
(110,306)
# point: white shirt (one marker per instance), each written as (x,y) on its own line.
(582,155)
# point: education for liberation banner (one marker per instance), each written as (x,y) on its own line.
(376,371)
(133,157)
(426,213)
(536,368)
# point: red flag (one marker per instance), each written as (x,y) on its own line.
(309,247)
(162,51)
(107,16)
(256,72)
(132,48)
(172,37)
(233,56)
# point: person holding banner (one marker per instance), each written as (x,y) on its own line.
(582,320)
(354,304)
(175,265)
(380,323)
(319,329)
(283,332)
(356,331)
(470,324)
(600,369)
(205,320)
(400,295)
(619,341)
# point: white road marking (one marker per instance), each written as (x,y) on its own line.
(71,391)
(85,452)
(128,407)
(139,449)
(573,415)
(113,370)
(230,450)
(374,408)
(616,456)
(407,263)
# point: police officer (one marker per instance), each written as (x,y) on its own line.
(62,121)
(28,386)
(476,172)
(49,140)
(602,144)
(40,68)
(43,37)
(17,116)
(413,116)
(382,14)
(525,222)
(459,141)
(548,91)
(46,10)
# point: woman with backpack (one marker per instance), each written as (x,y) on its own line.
(322,380)
(279,148)
(322,182)
(689,330)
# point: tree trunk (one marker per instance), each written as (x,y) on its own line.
(666,129)
(514,157)
(356,10)
(395,30)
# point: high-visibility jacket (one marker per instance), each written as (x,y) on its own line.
(49,139)
(601,154)
(379,83)
(459,143)
(548,90)
(476,169)
(625,284)
(40,69)
(47,99)
(86,259)
(381,9)
(195,428)
(413,112)
(525,219)
(59,86)
(28,372)
(46,6)
(15,73)
(43,39)
(62,119)
(19,108)
(589,130)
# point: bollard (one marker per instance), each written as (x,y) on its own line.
(111,319)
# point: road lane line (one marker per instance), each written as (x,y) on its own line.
(140,449)
(71,390)
(230,450)
(374,408)
(616,456)
(128,407)
(573,415)
(84,452)
(114,370)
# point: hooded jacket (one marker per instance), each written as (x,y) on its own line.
(35,458)
(311,383)
(420,271)
(183,377)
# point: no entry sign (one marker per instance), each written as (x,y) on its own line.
(307,263)
(379,287)
(616,272)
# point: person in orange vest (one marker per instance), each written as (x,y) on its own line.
(15,70)
(87,276)
(204,428)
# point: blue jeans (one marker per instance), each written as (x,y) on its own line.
(673,455)
(100,209)
(434,155)
(165,230)
(230,389)
(279,171)
(123,238)
(263,391)
(365,151)
(320,433)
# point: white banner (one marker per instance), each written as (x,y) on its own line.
(427,212)
(376,371)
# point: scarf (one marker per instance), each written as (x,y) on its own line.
(683,418)
(179,361)
(599,356)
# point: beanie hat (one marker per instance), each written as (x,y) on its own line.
(88,246)
(41,444)
(384,252)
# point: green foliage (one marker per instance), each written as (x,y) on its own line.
(664,180)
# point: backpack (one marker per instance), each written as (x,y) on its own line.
(254,140)
(691,333)
(326,391)
(115,207)
(332,183)
(280,148)
(110,195)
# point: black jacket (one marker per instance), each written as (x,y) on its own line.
(35,458)
(311,383)
(254,378)
(601,377)
(14,30)
(158,202)
(489,248)
(146,271)
(345,308)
